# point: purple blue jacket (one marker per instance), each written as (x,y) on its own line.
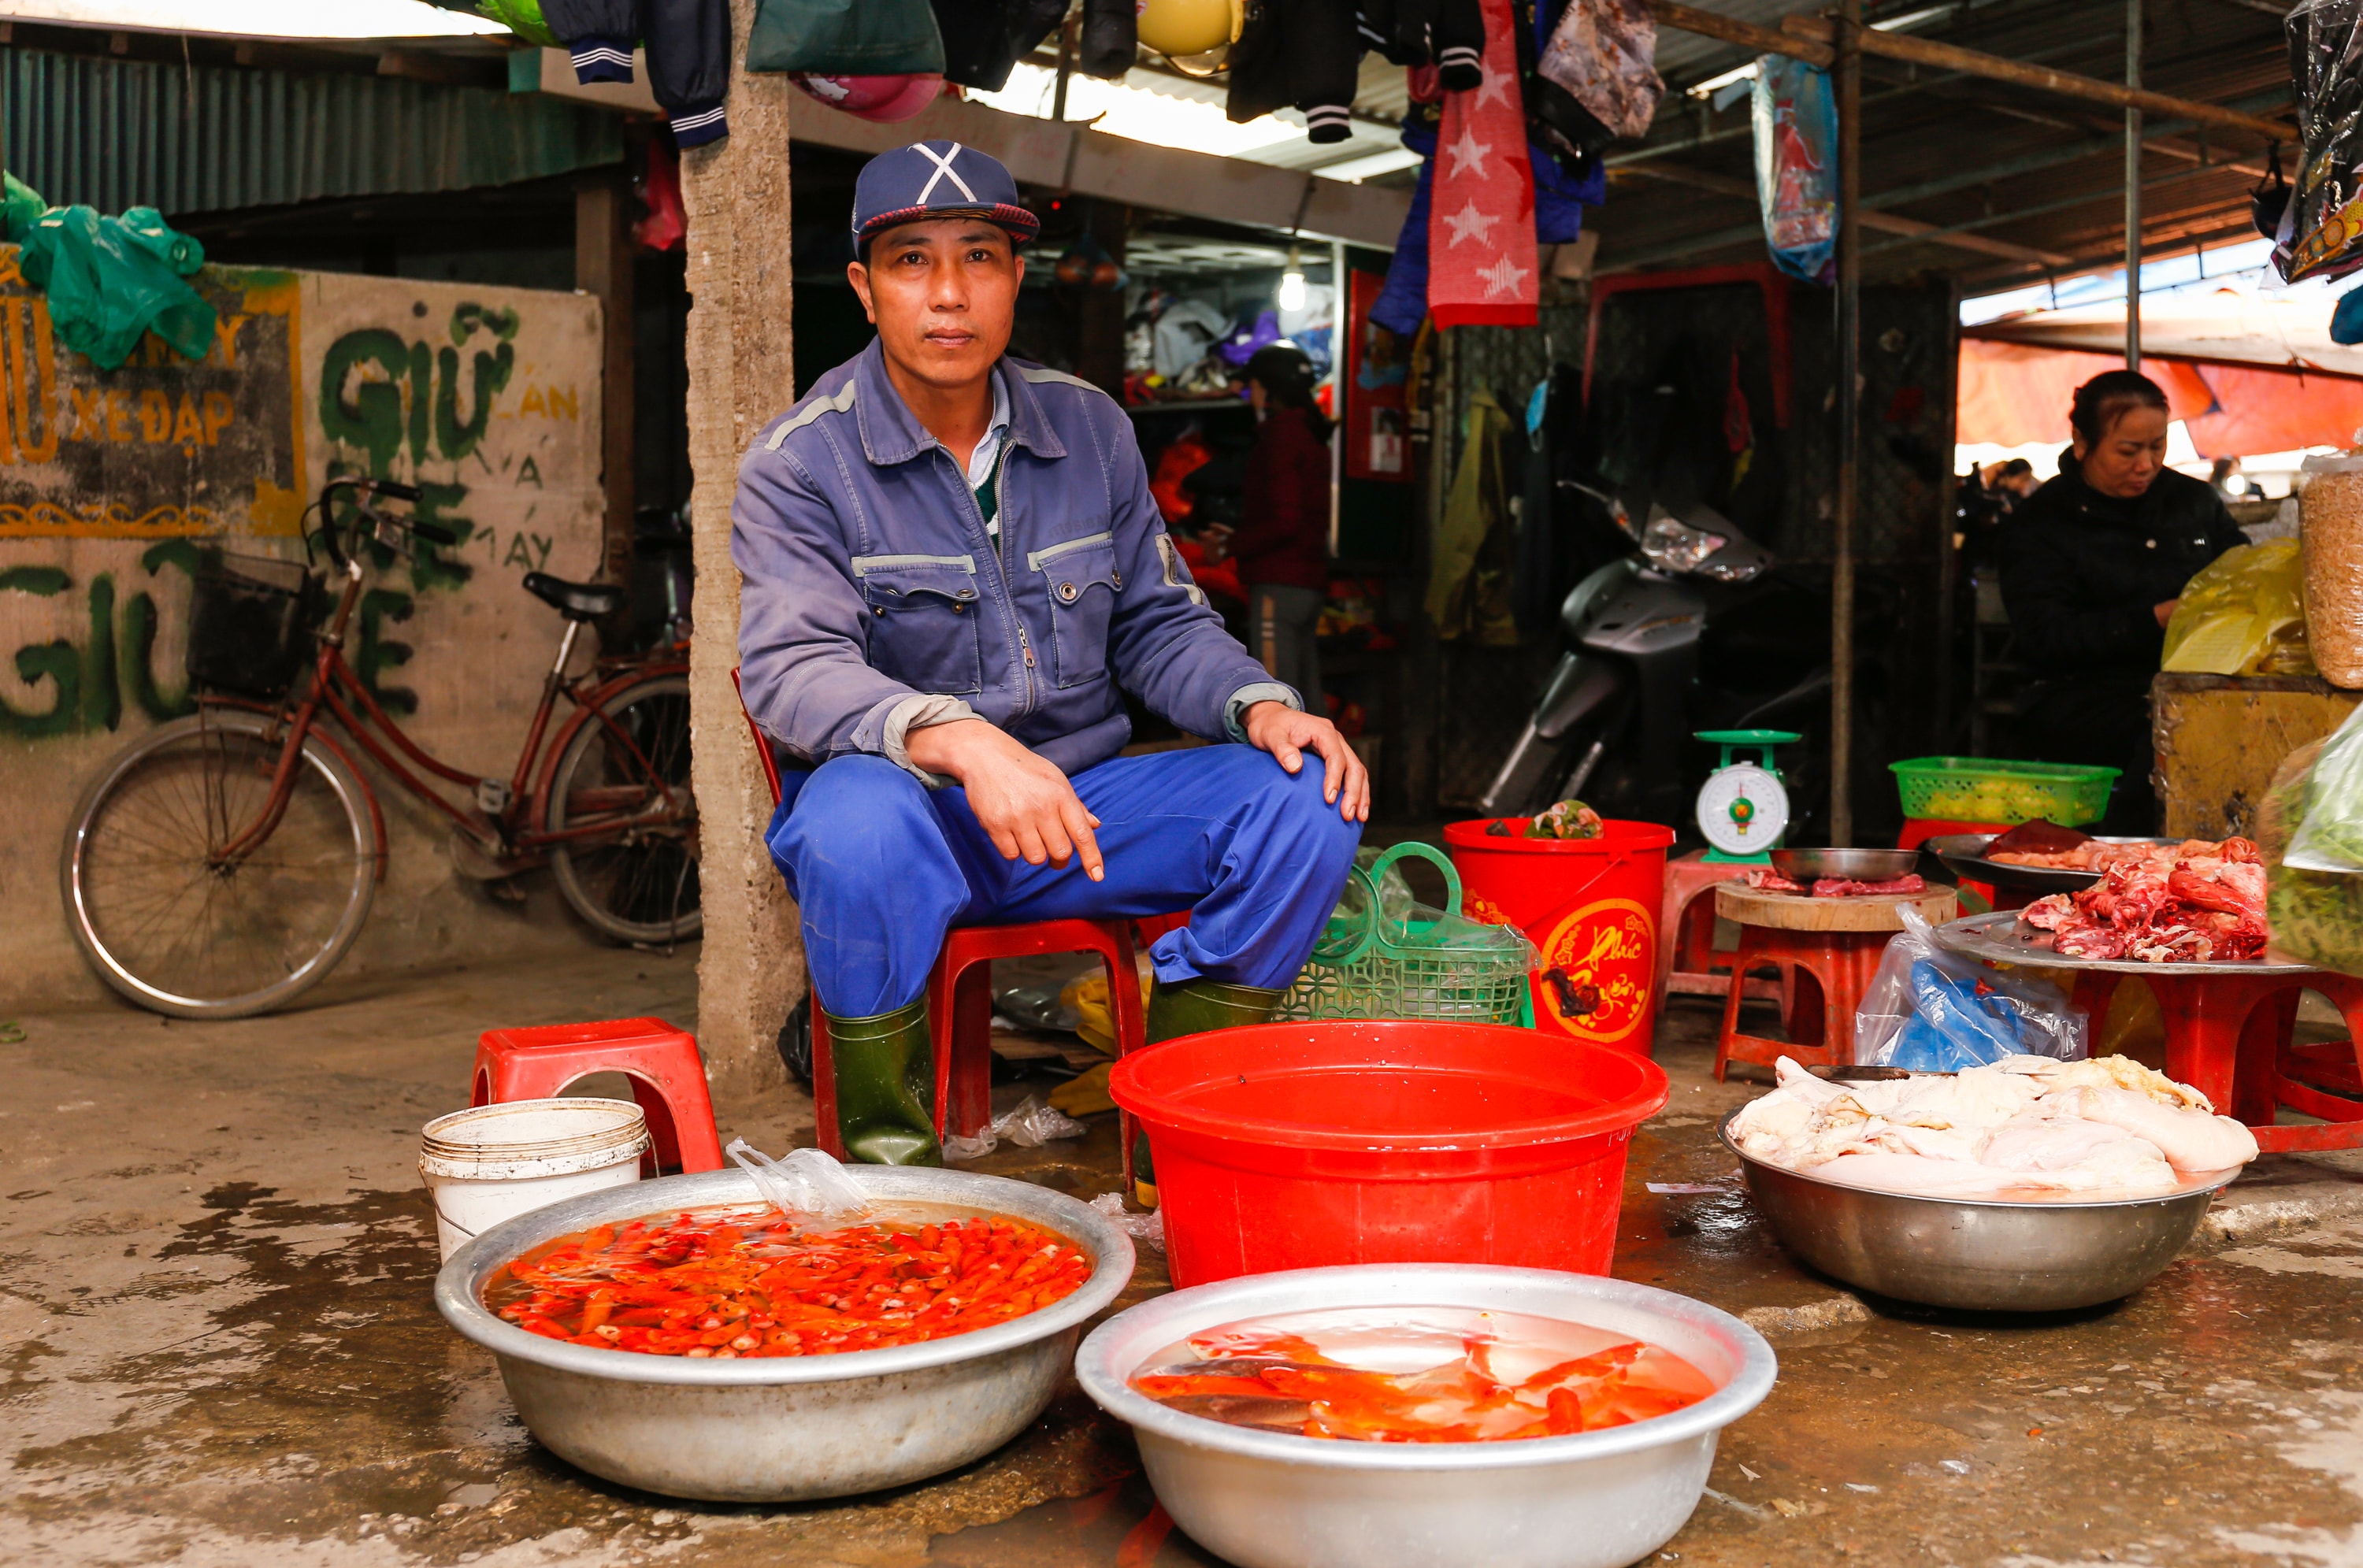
(875,599)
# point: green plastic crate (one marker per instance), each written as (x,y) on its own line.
(1989,790)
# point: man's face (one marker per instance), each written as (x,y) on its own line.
(943,294)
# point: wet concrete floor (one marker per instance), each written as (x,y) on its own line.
(217,1345)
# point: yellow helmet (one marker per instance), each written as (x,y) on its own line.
(1189,26)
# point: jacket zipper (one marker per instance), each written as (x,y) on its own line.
(1008,594)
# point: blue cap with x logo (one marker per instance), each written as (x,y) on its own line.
(933,179)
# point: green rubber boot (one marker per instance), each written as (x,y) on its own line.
(1193,1007)
(885,1071)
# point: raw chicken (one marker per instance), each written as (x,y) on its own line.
(2027,1127)
(2197,901)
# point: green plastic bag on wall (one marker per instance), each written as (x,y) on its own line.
(845,37)
(112,279)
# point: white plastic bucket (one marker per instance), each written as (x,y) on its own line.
(494,1162)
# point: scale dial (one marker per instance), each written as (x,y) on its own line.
(1742,809)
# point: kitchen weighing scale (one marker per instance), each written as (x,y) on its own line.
(1743,808)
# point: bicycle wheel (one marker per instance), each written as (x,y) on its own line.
(175,930)
(636,883)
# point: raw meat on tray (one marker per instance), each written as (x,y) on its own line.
(2193,902)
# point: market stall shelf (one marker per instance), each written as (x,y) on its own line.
(1830,949)
(2227,1027)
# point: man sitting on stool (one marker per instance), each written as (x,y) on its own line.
(952,562)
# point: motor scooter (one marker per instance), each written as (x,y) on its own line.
(1623,699)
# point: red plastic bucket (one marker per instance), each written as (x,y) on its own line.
(1590,905)
(1299,1145)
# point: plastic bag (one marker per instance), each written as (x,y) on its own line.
(1029,1125)
(2321,227)
(1086,996)
(2316,917)
(113,280)
(1796,126)
(2330,510)
(845,37)
(2243,614)
(1935,1011)
(808,1185)
(2329,832)
(1605,53)
(1145,1230)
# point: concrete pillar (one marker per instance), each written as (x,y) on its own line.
(740,374)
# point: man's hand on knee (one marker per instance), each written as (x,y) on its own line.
(1025,804)
(1287,734)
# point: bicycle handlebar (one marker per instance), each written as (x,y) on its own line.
(366,488)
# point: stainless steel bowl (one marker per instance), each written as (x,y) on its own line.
(792,1428)
(1266,1499)
(1979,1255)
(1857,865)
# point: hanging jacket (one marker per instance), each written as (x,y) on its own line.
(1109,40)
(1468,585)
(984,39)
(1446,34)
(1402,303)
(1283,537)
(689,54)
(1302,54)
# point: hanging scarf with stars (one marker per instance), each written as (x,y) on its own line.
(1481,222)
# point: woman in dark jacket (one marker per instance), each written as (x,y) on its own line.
(2091,566)
(1282,540)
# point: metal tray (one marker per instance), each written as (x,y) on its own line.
(1999,938)
(1858,865)
(1963,854)
(1978,1253)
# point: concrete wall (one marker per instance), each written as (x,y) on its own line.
(112,483)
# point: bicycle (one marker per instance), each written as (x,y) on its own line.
(223,864)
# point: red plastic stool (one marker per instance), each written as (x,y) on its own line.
(668,1079)
(2228,1037)
(1688,958)
(1777,928)
(960,1015)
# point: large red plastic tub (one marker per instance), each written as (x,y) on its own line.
(1590,905)
(1299,1145)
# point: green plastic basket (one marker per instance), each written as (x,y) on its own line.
(1450,969)
(1988,790)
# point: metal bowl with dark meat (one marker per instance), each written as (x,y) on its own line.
(1977,1255)
(1964,856)
(1809,866)
(793,1428)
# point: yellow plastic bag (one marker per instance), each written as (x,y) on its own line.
(1086,996)
(2244,615)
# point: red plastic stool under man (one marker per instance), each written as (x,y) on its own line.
(960,1001)
(668,1079)
(1834,945)
(959,1014)
(1688,958)
(2228,1037)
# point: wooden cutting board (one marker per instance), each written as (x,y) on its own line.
(1796,911)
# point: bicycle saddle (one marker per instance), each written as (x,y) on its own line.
(575,601)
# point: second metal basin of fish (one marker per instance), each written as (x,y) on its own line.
(1266,1499)
(1977,1255)
(787,1428)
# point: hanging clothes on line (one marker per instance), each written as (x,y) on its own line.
(1469,585)
(984,39)
(1302,54)
(1482,261)
(1450,35)
(689,54)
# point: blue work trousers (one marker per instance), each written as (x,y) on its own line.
(881,867)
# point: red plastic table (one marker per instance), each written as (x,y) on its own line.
(2227,1030)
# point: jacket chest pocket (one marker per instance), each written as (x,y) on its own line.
(923,621)
(1083,580)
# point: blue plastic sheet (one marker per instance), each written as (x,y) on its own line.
(1935,1011)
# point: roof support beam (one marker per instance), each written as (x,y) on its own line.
(1885,223)
(1808,38)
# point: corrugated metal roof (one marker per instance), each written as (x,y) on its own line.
(119,133)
